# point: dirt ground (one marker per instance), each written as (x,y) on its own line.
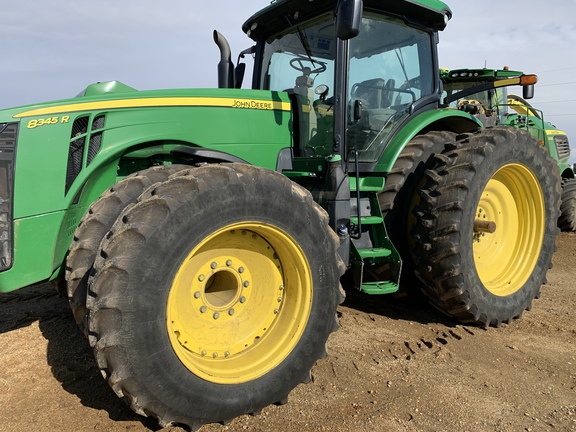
(395,365)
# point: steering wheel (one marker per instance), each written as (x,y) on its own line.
(297,63)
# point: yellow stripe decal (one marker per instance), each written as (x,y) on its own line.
(257,104)
(507,82)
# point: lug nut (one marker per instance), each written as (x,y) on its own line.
(213,265)
(242,299)
(203,309)
(201,278)
(246,284)
(229,263)
(231,312)
(197,294)
(241,270)
(216,315)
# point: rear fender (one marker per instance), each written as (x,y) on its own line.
(435,120)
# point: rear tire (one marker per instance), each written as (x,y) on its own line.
(213,296)
(400,196)
(498,175)
(567,220)
(97,221)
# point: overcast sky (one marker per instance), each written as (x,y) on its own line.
(53,50)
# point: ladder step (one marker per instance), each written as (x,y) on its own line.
(374,252)
(367,220)
(379,287)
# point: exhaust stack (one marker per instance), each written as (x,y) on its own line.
(225,66)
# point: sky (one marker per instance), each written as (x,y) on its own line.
(54,50)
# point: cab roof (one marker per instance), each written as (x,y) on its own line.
(281,14)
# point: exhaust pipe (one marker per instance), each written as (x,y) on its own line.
(225,67)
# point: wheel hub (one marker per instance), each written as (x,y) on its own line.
(229,298)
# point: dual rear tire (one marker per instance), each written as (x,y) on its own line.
(487,224)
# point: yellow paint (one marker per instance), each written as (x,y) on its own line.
(239,303)
(513,200)
(159,102)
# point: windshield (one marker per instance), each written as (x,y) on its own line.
(303,62)
(391,67)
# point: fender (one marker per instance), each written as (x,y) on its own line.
(445,119)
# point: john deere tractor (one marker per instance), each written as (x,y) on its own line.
(484,93)
(200,234)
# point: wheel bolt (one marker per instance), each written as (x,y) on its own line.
(227,354)
(279,299)
(201,278)
(215,355)
(213,265)
(276,311)
(281,287)
(203,309)
(241,270)
(216,315)
(229,263)
(203,353)
(197,294)
(230,311)
(246,284)
(242,299)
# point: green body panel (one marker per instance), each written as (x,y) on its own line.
(34,240)
(440,119)
(140,129)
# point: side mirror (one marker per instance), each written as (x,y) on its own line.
(348,18)
(239,75)
(528,91)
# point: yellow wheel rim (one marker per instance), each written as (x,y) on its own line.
(239,303)
(505,258)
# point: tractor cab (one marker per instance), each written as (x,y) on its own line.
(354,79)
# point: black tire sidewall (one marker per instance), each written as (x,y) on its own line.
(522,151)
(144,313)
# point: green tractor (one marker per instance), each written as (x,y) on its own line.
(200,234)
(484,93)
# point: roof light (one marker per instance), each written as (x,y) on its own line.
(528,79)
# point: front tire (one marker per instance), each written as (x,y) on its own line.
(214,295)
(497,175)
(97,221)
